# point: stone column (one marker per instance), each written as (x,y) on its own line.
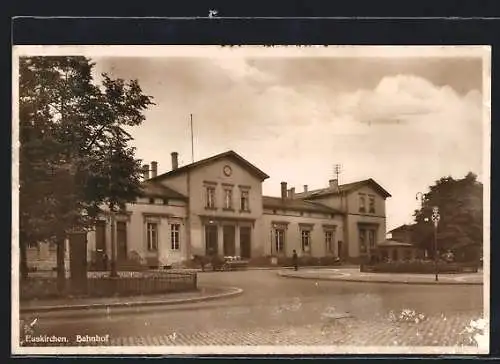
(237,241)
(220,239)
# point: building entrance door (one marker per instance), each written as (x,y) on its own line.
(229,240)
(245,242)
(211,247)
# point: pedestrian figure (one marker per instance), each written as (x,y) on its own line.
(295,260)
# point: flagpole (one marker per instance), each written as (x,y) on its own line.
(192,143)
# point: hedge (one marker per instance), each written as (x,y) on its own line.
(424,267)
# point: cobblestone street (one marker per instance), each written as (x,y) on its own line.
(435,331)
(283,311)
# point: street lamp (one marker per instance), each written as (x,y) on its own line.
(435,219)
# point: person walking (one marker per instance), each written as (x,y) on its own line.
(295,260)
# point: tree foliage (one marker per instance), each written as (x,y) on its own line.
(74,150)
(460,203)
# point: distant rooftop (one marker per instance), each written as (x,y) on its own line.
(296,205)
(394,243)
(154,189)
(404,227)
(229,154)
(348,187)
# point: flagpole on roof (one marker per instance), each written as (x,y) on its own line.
(192,143)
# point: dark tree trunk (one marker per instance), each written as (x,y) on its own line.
(61,271)
(23,259)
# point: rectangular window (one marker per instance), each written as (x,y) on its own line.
(306,240)
(210,197)
(362,240)
(175,235)
(329,241)
(279,238)
(228,198)
(371,204)
(371,238)
(362,203)
(245,203)
(152,236)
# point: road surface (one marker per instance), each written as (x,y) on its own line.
(279,311)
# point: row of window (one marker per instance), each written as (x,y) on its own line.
(305,235)
(362,203)
(152,236)
(211,201)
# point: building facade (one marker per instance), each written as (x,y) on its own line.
(216,206)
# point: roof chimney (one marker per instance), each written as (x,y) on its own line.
(334,183)
(154,169)
(292,192)
(305,188)
(145,171)
(175,161)
(283,190)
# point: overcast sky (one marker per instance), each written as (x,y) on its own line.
(404,122)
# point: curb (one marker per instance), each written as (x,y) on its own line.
(440,283)
(281,268)
(230,292)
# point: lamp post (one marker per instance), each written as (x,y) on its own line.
(435,219)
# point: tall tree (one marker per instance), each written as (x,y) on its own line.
(74,150)
(460,203)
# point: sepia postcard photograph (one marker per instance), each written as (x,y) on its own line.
(189,200)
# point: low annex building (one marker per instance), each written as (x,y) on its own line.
(216,206)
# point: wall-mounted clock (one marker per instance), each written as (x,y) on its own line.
(227,170)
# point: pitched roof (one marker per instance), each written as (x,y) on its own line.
(229,154)
(151,188)
(394,243)
(345,188)
(402,227)
(296,205)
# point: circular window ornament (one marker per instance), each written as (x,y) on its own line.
(227,171)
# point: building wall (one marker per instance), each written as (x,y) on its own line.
(403,235)
(353,202)
(240,178)
(138,215)
(355,217)
(43,257)
(196,215)
(293,240)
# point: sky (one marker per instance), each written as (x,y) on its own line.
(403,121)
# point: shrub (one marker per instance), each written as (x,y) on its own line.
(262,261)
(285,261)
(308,261)
(329,260)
